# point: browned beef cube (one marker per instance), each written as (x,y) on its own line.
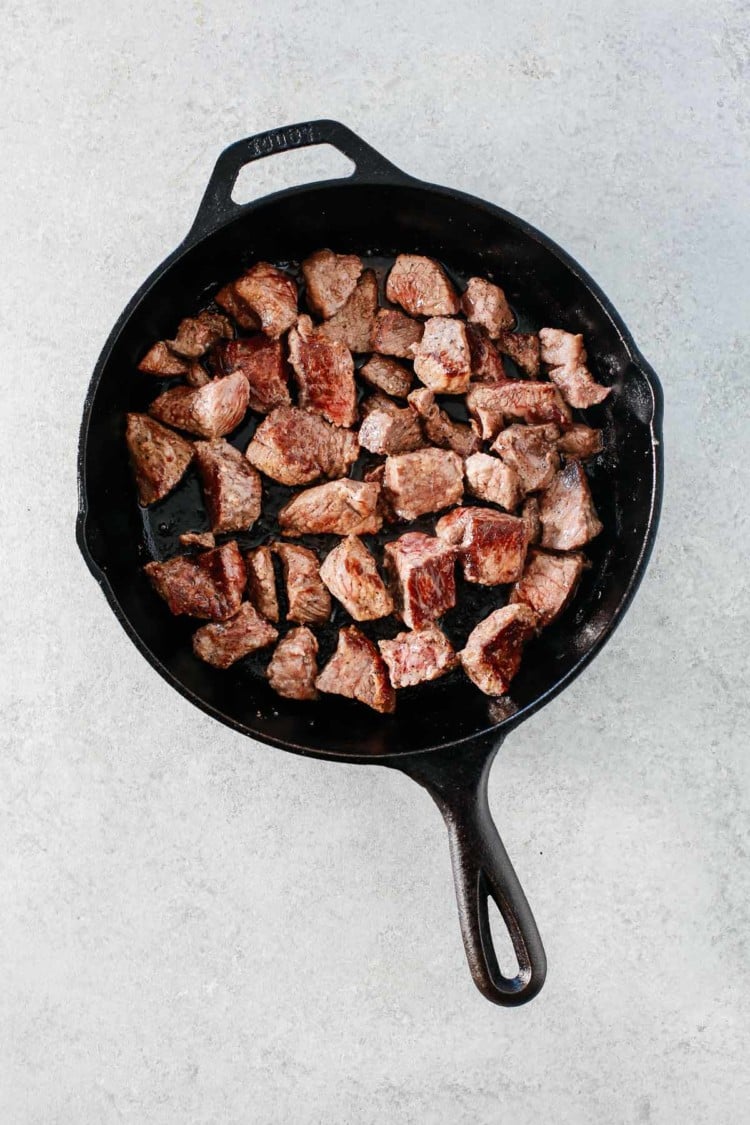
(295,446)
(394,333)
(351,574)
(442,360)
(231,486)
(524,349)
(343,507)
(357,671)
(197,376)
(531,520)
(416,656)
(486,364)
(262,363)
(330,280)
(388,428)
(421,286)
(422,572)
(160,360)
(210,411)
(485,304)
(578,386)
(196,334)
(567,512)
(491,545)
(324,373)
(493,652)
(226,642)
(309,600)
(353,324)
(158,456)
(547,583)
(424,481)
(294,665)
(375,474)
(532,452)
(387,375)
(580,442)
(561,349)
(530,402)
(488,478)
(440,428)
(241,312)
(210,584)
(204,540)
(261,582)
(271,294)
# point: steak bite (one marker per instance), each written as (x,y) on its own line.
(295,446)
(342,507)
(490,479)
(580,442)
(421,286)
(330,280)
(524,349)
(440,428)
(548,583)
(351,574)
(532,452)
(388,428)
(491,404)
(271,294)
(491,545)
(486,364)
(531,520)
(196,375)
(567,512)
(357,671)
(494,649)
(261,582)
(210,411)
(203,540)
(394,333)
(196,334)
(294,665)
(416,656)
(239,311)
(159,360)
(386,375)
(485,304)
(352,325)
(226,642)
(442,360)
(231,486)
(422,573)
(324,373)
(424,481)
(561,349)
(210,584)
(262,363)
(309,600)
(578,386)
(158,457)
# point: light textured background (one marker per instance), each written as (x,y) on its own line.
(195,929)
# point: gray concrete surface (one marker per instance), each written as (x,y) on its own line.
(197,929)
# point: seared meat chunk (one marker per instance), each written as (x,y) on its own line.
(261,582)
(196,334)
(580,442)
(158,456)
(210,584)
(491,404)
(524,349)
(330,280)
(488,478)
(210,411)
(394,333)
(353,324)
(422,573)
(357,671)
(486,364)
(386,375)
(561,349)
(567,511)
(351,574)
(388,428)
(324,373)
(262,363)
(204,540)
(547,583)
(442,360)
(295,446)
(491,545)
(375,474)
(231,486)
(440,428)
(421,286)
(294,665)
(424,481)
(531,520)
(532,452)
(493,651)
(309,600)
(271,294)
(241,312)
(226,642)
(159,360)
(485,304)
(196,375)
(578,386)
(342,507)
(416,656)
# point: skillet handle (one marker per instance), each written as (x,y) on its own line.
(217,204)
(457,782)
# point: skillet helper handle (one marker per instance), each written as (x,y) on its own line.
(482,870)
(217,204)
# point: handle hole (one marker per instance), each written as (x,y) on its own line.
(288,169)
(501,940)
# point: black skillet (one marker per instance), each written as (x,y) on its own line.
(445,735)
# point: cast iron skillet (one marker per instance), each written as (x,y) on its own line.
(445,735)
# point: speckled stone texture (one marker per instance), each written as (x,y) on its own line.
(196,929)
